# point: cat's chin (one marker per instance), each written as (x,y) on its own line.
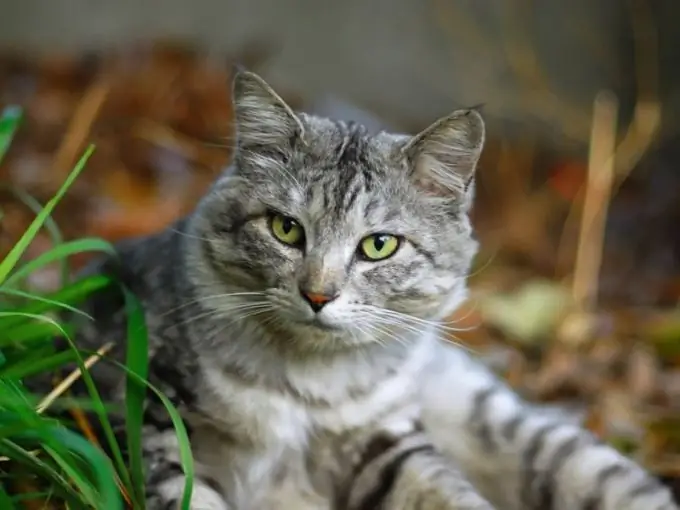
(320,324)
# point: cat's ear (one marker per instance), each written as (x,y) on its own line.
(262,117)
(444,156)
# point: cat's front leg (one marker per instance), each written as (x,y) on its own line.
(404,471)
(523,458)
(165,479)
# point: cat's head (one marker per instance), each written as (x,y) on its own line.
(334,235)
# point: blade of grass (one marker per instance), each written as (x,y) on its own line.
(33,366)
(137,361)
(9,123)
(60,252)
(103,469)
(66,464)
(50,326)
(72,294)
(38,467)
(51,302)
(40,432)
(185,455)
(28,336)
(5,500)
(50,225)
(31,495)
(10,261)
(102,415)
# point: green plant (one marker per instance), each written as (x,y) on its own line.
(33,445)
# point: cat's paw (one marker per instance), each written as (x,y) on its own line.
(203,497)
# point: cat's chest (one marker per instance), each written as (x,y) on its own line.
(269,416)
(255,414)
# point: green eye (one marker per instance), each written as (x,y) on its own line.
(287,230)
(378,246)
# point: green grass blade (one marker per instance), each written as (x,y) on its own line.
(100,410)
(102,468)
(137,362)
(50,225)
(42,469)
(9,123)
(69,295)
(52,304)
(67,465)
(36,365)
(57,253)
(185,455)
(12,258)
(5,500)
(43,325)
(24,496)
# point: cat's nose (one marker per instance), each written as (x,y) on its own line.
(316,301)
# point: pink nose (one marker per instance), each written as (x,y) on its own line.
(316,301)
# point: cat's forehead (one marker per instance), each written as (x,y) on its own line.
(329,141)
(348,176)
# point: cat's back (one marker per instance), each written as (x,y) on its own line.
(147,267)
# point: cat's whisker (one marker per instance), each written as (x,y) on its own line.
(375,325)
(253,313)
(389,334)
(286,173)
(449,336)
(201,299)
(414,320)
(225,313)
(407,327)
(190,236)
(398,320)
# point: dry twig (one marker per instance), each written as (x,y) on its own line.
(596,201)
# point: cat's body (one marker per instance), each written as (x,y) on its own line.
(294,320)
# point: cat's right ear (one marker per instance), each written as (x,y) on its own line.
(262,117)
(444,156)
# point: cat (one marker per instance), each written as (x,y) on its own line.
(295,319)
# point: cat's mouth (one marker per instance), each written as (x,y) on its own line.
(319,323)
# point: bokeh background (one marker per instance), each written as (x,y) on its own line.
(576,289)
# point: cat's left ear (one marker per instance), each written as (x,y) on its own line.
(262,117)
(444,156)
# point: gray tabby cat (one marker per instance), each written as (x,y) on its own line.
(294,318)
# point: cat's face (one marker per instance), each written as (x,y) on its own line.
(325,231)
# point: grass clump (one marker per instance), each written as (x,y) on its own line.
(64,467)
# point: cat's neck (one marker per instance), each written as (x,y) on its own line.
(255,353)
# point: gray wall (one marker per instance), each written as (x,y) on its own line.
(407,60)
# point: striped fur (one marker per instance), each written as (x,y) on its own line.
(523,458)
(404,471)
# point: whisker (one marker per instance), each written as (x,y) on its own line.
(449,336)
(190,236)
(201,299)
(415,320)
(253,313)
(389,334)
(390,318)
(226,312)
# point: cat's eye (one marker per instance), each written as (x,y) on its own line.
(287,230)
(378,246)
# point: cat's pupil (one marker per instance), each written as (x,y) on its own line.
(379,242)
(287,225)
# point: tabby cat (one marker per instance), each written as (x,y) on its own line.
(295,319)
